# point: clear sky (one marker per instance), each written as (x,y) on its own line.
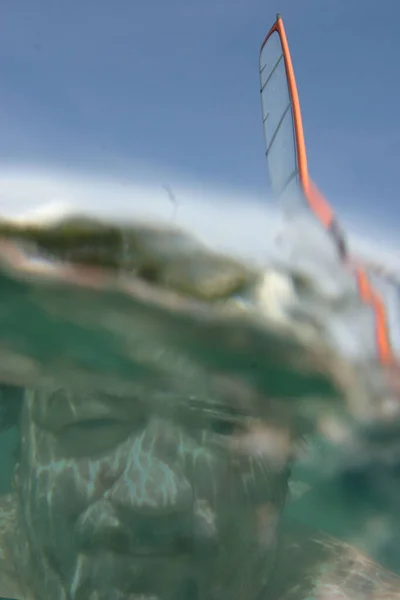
(144,88)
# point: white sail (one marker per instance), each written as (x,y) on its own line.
(277,114)
(283,131)
(305,206)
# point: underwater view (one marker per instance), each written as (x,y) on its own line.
(169,433)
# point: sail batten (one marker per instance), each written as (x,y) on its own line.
(272,72)
(289,106)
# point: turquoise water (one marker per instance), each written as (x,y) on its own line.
(168,444)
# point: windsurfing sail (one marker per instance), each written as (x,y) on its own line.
(291,183)
(284,136)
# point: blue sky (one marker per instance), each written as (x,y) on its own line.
(143,88)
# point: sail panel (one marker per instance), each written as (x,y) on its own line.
(282,145)
(277,116)
(270,55)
